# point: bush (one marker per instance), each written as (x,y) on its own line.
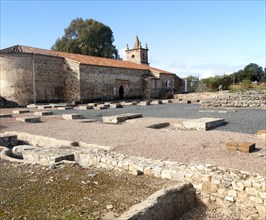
(246,84)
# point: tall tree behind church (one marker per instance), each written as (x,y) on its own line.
(87,37)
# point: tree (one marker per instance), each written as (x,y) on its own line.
(252,72)
(87,37)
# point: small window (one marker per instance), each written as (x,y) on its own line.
(132,55)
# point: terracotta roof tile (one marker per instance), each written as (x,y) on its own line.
(83,59)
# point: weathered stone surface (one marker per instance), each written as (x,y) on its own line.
(19,149)
(203,123)
(20,111)
(48,156)
(168,203)
(120,118)
(43,113)
(8,140)
(72,116)
(29,119)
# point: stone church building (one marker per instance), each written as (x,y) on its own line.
(36,75)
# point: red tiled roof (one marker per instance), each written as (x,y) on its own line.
(83,59)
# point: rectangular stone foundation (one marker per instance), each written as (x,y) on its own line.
(72,116)
(203,124)
(43,113)
(29,119)
(21,111)
(120,118)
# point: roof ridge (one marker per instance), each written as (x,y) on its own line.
(81,58)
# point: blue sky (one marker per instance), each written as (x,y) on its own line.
(201,38)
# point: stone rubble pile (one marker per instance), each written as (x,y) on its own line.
(250,99)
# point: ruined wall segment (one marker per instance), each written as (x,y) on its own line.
(16,82)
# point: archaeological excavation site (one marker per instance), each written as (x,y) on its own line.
(195,156)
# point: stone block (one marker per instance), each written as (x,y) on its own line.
(159,125)
(32,106)
(209,187)
(246,147)
(116,105)
(72,116)
(21,111)
(144,103)
(43,113)
(85,107)
(156,102)
(120,118)
(5,116)
(29,119)
(7,140)
(65,108)
(231,145)
(166,101)
(44,106)
(261,133)
(203,123)
(99,107)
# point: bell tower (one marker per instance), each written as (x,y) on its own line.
(138,54)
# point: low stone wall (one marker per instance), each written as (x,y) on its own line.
(252,99)
(234,192)
(168,203)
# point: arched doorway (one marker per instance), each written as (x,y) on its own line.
(121,92)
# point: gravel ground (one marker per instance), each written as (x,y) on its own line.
(239,120)
(134,138)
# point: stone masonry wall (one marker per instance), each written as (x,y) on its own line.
(99,82)
(251,99)
(16,78)
(49,77)
(233,192)
(72,83)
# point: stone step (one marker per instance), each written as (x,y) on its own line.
(203,124)
(120,118)
(21,111)
(29,119)
(72,116)
(43,113)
